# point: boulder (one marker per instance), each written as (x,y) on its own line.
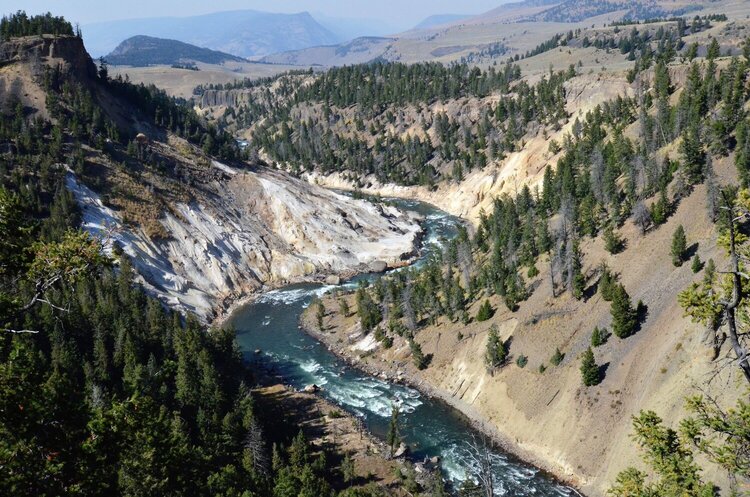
(311,388)
(333,280)
(401,451)
(378,266)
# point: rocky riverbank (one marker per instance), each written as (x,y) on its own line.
(540,410)
(328,427)
(348,344)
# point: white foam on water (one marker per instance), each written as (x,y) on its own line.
(266,321)
(344,397)
(288,297)
(311,366)
(364,394)
(453,465)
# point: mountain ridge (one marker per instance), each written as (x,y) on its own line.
(244,33)
(142,50)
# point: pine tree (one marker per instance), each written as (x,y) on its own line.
(347,469)
(367,310)
(320,312)
(693,154)
(624,316)
(393,438)
(679,246)
(578,281)
(669,458)
(344,307)
(696,265)
(485,311)
(589,369)
(599,337)
(613,243)
(420,360)
(660,209)
(714,49)
(496,354)
(607,283)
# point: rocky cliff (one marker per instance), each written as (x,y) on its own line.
(247,231)
(22,63)
(200,233)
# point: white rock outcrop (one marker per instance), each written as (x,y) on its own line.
(253,229)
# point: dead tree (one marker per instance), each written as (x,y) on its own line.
(255,444)
(731,305)
(479,454)
(465,263)
(406,305)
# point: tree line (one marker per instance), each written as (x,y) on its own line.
(21,24)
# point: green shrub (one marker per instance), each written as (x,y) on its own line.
(557,357)
(485,311)
(589,369)
(532,272)
(599,336)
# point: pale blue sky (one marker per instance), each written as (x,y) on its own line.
(398,13)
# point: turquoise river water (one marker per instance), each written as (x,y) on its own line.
(429,427)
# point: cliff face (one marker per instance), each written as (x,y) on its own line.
(224,98)
(248,230)
(201,234)
(66,50)
(22,65)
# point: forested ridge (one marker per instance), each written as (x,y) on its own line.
(103,390)
(316,129)
(402,123)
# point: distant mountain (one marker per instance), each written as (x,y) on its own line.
(245,33)
(349,28)
(439,19)
(357,51)
(146,51)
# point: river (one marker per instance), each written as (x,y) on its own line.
(430,427)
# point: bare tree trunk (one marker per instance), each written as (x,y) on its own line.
(730,307)
(481,456)
(552,273)
(465,263)
(256,445)
(406,305)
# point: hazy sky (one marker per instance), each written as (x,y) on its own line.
(401,13)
